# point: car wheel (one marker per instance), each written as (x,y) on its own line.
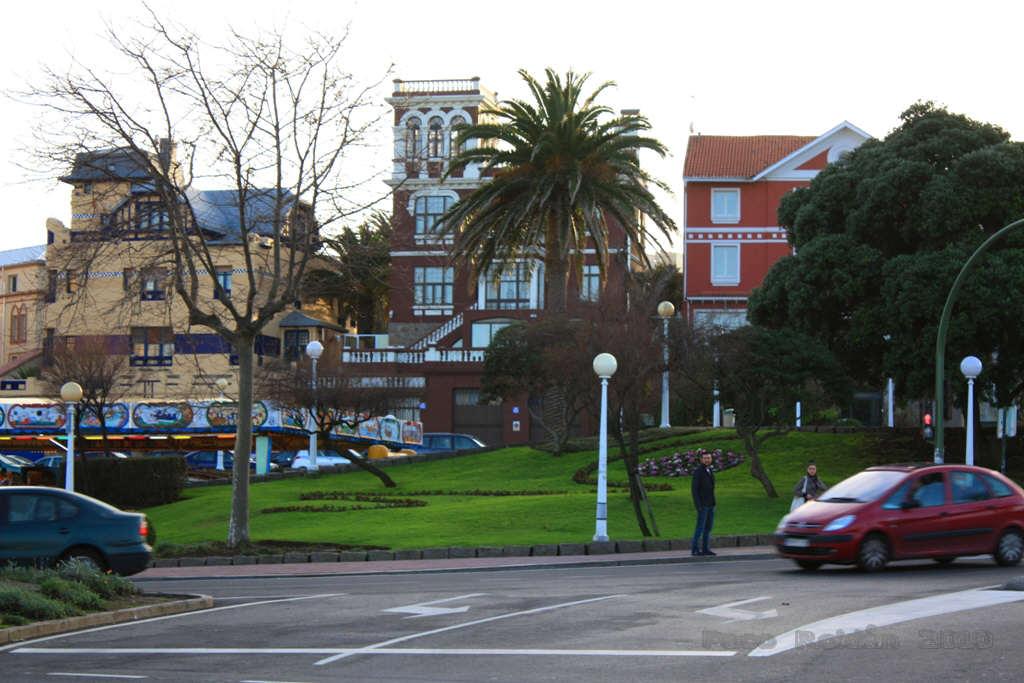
(808,565)
(1009,549)
(86,556)
(944,560)
(873,554)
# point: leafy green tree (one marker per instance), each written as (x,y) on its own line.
(548,359)
(763,373)
(353,273)
(879,237)
(562,171)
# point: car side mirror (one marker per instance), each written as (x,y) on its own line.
(909,504)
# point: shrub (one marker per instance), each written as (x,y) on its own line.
(13,572)
(105,585)
(13,620)
(683,464)
(132,482)
(77,594)
(32,605)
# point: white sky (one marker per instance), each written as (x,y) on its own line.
(732,68)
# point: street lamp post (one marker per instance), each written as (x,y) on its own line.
(716,406)
(314,350)
(222,384)
(605,366)
(665,310)
(970,366)
(70,393)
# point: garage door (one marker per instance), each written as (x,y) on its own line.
(469,416)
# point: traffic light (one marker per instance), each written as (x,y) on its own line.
(927,433)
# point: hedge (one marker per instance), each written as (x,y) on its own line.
(132,482)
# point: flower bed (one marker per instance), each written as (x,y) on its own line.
(683,464)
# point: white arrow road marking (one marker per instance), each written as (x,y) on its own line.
(467,624)
(729,611)
(424,609)
(885,615)
(167,616)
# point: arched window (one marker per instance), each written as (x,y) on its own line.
(412,138)
(19,324)
(435,137)
(457,122)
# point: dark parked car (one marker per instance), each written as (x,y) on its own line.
(900,512)
(42,525)
(207,460)
(434,442)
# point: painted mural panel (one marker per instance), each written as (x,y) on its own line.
(162,415)
(115,416)
(226,414)
(39,415)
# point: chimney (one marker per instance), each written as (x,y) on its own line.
(166,154)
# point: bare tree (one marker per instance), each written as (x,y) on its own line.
(97,368)
(265,121)
(340,400)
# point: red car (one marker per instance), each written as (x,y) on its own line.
(902,512)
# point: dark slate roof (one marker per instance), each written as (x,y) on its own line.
(217,211)
(300,319)
(108,164)
(12,257)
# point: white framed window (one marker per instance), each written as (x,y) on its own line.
(484,331)
(427,211)
(435,137)
(511,289)
(412,139)
(719,318)
(725,205)
(725,264)
(590,283)
(458,121)
(432,286)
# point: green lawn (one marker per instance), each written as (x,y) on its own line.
(452,520)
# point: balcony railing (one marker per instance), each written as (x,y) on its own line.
(415,357)
(452,85)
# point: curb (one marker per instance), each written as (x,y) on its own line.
(583,562)
(39,629)
(456,552)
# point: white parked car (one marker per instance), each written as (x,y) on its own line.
(323,459)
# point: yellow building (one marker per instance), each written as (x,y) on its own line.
(22,280)
(108,278)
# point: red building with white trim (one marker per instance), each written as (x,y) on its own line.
(442,319)
(732,189)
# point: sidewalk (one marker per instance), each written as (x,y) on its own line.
(761,552)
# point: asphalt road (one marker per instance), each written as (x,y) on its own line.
(745,620)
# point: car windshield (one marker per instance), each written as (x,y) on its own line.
(863,487)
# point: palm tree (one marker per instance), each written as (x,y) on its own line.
(353,273)
(562,169)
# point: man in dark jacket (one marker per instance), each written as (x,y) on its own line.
(702,487)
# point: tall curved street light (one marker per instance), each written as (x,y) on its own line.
(940,337)
(314,350)
(70,393)
(665,311)
(970,366)
(605,366)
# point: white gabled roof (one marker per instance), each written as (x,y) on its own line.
(814,145)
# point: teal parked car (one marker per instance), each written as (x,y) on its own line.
(42,526)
